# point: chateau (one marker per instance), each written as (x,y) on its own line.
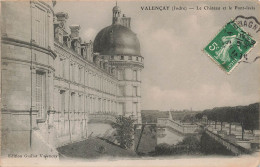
(56,88)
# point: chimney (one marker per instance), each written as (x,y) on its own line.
(62,18)
(74,31)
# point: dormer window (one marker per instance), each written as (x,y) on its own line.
(83,52)
(78,49)
(60,37)
(69,43)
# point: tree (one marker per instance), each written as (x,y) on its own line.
(247,116)
(187,118)
(241,118)
(191,144)
(199,116)
(124,131)
(230,117)
(252,117)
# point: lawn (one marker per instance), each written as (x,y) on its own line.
(93,148)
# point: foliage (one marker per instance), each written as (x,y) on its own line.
(199,116)
(189,145)
(124,131)
(192,142)
(188,118)
(247,116)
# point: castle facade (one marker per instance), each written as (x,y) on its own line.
(56,88)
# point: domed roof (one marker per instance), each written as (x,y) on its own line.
(116,8)
(117,40)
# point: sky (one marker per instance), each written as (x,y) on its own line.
(177,75)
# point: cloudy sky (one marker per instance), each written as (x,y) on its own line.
(177,74)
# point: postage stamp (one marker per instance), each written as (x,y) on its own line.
(229,46)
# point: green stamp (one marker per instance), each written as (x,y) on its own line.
(229,46)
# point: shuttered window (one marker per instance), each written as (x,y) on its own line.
(40,26)
(121,90)
(135,75)
(72,102)
(121,108)
(62,102)
(40,93)
(134,91)
(120,75)
(135,109)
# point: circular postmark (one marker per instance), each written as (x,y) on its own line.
(251,25)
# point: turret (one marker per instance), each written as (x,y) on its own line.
(116,15)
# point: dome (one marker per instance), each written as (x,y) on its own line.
(117,40)
(116,8)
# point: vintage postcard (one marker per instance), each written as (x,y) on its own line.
(130,83)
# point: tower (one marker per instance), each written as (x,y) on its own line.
(121,46)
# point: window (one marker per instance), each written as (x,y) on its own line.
(121,91)
(62,68)
(40,93)
(112,57)
(80,75)
(120,75)
(83,51)
(134,109)
(134,90)
(121,108)
(78,49)
(90,105)
(72,72)
(109,106)
(80,103)
(129,57)
(62,102)
(60,36)
(122,58)
(99,105)
(72,111)
(86,105)
(72,102)
(90,79)
(137,58)
(104,105)
(40,26)
(86,78)
(135,75)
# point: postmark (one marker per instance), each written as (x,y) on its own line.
(251,25)
(229,46)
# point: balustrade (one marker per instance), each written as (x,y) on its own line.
(182,128)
